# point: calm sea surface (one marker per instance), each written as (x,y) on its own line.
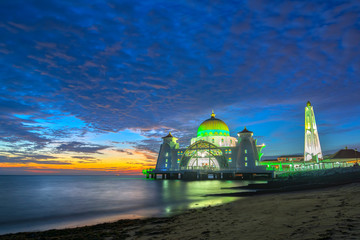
(30,203)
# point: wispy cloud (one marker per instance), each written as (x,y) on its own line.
(37,159)
(81,147)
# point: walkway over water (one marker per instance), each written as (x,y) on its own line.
(205,174)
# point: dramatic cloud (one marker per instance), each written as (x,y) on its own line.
(80,73)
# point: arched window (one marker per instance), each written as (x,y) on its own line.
(212,140)
(222,140)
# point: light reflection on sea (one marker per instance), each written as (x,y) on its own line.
(30,203)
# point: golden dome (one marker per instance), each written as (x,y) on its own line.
(213,127)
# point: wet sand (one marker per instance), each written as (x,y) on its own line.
(327,213)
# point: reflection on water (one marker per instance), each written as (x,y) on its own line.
(180,195)
(29,203)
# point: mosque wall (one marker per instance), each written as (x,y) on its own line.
(220,141)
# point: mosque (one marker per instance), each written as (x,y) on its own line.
(212,153)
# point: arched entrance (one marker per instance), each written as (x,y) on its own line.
(203,155)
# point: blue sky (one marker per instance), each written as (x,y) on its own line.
(91,79)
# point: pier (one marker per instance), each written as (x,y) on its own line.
(209,175)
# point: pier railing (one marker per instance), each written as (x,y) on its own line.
(206,168)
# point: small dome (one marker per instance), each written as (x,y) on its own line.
(245,131)
(169,135)
(213,127)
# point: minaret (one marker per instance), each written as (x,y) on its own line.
(312,148)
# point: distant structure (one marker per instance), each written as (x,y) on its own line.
(342,158)
(313,158)
(294,158)
(213,151)
(312,148)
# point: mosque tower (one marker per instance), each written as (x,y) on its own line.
(312,148)
(166,155)
(249,154)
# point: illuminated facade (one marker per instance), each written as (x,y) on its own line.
(213,149)
(312,148)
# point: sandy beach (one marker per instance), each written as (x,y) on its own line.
(328,213)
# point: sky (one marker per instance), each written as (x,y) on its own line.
(90,87)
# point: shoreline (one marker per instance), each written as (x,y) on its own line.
(312,181)
(326,213)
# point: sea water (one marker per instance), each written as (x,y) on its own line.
(32,203)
